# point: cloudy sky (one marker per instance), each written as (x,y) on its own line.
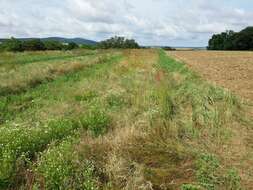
(150,22)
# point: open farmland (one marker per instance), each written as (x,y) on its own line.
(118,119)
(230,69)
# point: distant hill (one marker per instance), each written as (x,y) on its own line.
(63,40)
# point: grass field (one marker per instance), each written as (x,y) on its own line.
(119,119)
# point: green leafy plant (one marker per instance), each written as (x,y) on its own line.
(190,187)
(96,121)
(61,168)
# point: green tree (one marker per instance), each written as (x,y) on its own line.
(71,45)
(231,40)
(53,45)
(118,42)
(33,45)
(12,44)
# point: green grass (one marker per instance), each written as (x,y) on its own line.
(25,141)
(62,168)
(129,119)
(11,60)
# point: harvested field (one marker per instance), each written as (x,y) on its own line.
(232,70)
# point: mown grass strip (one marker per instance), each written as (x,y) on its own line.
(8,105)
(34,77)
(26,58)
(211,110)
(19,142)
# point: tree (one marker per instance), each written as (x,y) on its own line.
(71,45)
(33,45)
(12,44)
(118,42)
(231,40)
(53,45)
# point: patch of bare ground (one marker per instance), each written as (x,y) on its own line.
(230,69)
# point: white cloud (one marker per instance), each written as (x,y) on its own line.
(184,22)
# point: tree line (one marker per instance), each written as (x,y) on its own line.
(231,40)
(16,45)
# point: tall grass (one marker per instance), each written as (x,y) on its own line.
(147,122)
(22,143)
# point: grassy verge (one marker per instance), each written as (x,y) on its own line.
(28,76)
(12,60)
(146,122)
(48,95)
(19,144)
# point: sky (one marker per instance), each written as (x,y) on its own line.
(150,22)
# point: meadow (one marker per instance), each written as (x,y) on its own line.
(119,119)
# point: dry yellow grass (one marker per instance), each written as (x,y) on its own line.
(232,70)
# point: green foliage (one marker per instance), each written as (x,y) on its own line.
(232,180)
(61,168)
(231,40)
(33,45)
(207,172)
(71,46)
(87,96)
(16,142)
(190,187)
(167,48)
(53,45)
(118,42)
(115,100)
(96,121)
(13,45)
(210,175)
(86,46)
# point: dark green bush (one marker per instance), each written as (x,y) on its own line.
(53,45)
(33,45)
(118,42)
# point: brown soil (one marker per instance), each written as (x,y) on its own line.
(232,70)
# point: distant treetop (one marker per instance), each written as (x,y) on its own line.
(16,45)
(118,42)
(231,40)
